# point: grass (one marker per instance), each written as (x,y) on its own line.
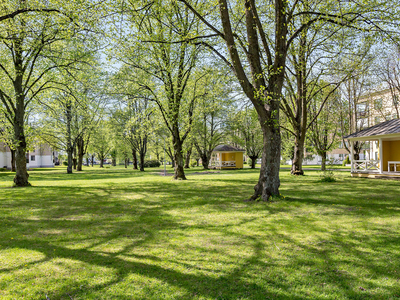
(122,234)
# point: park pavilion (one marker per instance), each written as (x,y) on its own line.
(386,162)
(226,157)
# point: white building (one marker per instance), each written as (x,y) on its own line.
(41,157)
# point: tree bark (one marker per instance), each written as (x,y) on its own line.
(253,161)
(205,161)
(179,161)
(187,158)
(12,160)
(135,161)
(126,163)
(81,147)
(101,161)
(92,160)
(142,155)
(323,161)
(68,114)
(87,161)
(297,162)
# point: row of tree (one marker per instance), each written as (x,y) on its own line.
(170,70)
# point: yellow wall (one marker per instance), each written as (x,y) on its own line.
(239,160)
(237,157)
(390,152)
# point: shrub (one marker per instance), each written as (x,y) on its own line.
(328,175)
(65,163)
(346,161)
(193,164)
(3,169)
(152,164)
(245,162)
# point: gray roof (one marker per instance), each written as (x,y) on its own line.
(227,148)
(388,127)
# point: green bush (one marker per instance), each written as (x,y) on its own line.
(3,169)
(346,161)
(245,162)
(152,164)
(193,163)
(65,163)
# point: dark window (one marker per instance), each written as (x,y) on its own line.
(32,157)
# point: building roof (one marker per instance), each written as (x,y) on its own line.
(227,148)
(385,128)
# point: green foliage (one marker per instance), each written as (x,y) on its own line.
(152,164)
(65,163)
(328,175)
(346,161)
(3,170)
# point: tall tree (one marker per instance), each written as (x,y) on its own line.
(31,46)
(163,52)
(257,38)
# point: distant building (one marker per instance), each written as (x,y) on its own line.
(41,157)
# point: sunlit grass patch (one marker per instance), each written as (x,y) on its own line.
(123,234)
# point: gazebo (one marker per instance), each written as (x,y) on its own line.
(386,162)
(226,157)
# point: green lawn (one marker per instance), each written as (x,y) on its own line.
(122,234)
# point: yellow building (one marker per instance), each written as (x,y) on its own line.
(386,138)
(226,157)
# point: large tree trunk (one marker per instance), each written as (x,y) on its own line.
(135,162)
(179,161)
(21,175)
(114,162)
(81,147)
(269,182)
(205,161)
(126,163)
(12,160)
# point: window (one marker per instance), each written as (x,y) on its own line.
(378,104)
(377,120)
(32,157)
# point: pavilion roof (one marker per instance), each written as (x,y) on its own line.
(385,128)
(227,148)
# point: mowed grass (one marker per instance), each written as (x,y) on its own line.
(122,234)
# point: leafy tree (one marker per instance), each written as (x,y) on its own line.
(32,46)
(163,52)
(101,142)
(258,38)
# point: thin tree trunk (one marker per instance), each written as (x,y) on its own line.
(101,161)
(87,161)
(253,161)
(187,159)
(68,113)
(126,163)
(92,160)
(298,155)
(142,155)
(81,147)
